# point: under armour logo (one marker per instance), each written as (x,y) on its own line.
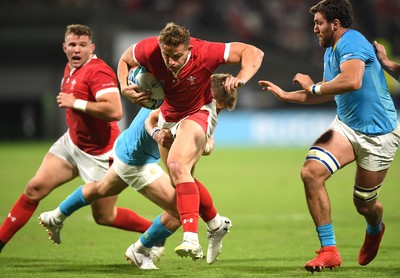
(190,220)
(13,219)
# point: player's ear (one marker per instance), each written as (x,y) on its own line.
(92,47)
(336,24)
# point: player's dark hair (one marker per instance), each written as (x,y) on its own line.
(335,9)
(174,35)
(79,30)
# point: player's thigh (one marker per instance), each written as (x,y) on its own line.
(337,145)
(161,193)
(188,144)
(369,179)
(111,184)
(330,152)
(53,172)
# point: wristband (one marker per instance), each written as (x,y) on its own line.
(154,131)
(80,105)
(316,89)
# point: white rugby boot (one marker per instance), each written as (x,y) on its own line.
(190,249)
(140,257)
(215,239)
(53,227)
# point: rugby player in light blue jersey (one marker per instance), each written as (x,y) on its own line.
(135,164)
(365,129)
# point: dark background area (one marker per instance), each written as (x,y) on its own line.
(32,60)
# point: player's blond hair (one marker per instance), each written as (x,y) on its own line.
(219,92)
(174,35)
(79,30)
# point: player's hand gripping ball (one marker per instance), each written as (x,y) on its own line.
(139,76)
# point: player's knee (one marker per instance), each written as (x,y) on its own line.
(310,175)
(365,198)
(175,168)
(325,158)
(35,190)
(103,219)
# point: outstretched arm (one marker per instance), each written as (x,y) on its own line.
(389,66)
(300,96)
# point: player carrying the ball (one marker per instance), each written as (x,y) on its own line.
(136,165)
(184,65)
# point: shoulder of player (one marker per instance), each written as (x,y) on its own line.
(203,46)
(354,36)
(353,39)
(98,65)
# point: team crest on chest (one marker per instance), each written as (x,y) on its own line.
(191,81)
(73,84)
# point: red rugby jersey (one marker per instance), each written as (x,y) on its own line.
(186,93)
(92,135)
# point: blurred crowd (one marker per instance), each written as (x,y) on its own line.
(285,24)
(283,29)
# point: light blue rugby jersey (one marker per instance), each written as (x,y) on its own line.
(369,110)
(134,146)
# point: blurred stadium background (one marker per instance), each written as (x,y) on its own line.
(32,61)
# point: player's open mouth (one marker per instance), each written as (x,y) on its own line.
(76,58)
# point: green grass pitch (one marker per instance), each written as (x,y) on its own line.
(259,189)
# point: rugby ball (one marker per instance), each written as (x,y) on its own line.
(141,77)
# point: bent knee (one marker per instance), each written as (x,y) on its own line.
(104,219)
(311,174)
(365,199)
(176,168)
(319,164)
(36,191)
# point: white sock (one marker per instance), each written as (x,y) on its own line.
(214,223)
(58,216)
(189,236)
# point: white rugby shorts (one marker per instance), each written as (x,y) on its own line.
(137,177)
(91,168)
(373,153)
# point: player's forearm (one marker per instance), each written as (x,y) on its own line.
(392,68)
(301,97)
(151,121)
(122,74)
(105,110)
(251,62)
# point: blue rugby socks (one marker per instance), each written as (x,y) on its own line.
(326,235)
(156,233)
(373,230)
(73,202)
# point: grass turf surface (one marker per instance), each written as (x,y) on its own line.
(258,189)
